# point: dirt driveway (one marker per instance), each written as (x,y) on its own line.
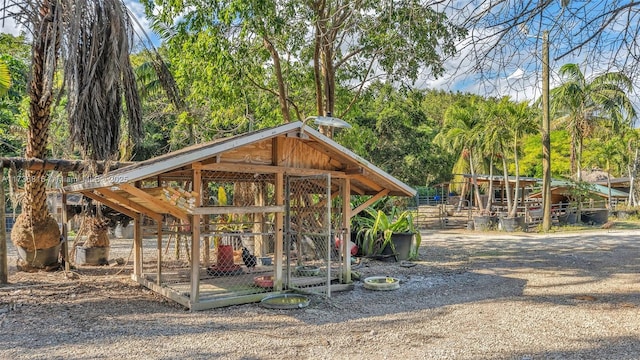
(490,296)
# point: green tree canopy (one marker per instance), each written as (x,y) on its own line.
(580,104)
(394,133)
(282,47)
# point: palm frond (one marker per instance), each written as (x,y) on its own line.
(5,79)
(98,76)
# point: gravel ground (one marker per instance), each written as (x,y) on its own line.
(472,296)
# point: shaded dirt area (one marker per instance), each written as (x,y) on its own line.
(471,296)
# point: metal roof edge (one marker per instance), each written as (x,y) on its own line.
(155,166)
(140,171)
(329,142)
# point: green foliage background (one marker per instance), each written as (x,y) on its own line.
(394,127)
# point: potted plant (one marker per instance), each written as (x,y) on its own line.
(95,249)
(578,193)
(392,235)
(624,211)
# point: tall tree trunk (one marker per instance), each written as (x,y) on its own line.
(505,171)
(317,73)
(475,184)
(490,197)
(609,203)
(329,87)
(514,209)
(461,199)
(579,161)
(632,186)
(572,155)
(282,92)
(34,227)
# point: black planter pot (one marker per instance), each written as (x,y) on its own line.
(568,218)
(482,223)
(512,224)
(40,258)
(92,255)
(595,217)
(387,254)
(402,243)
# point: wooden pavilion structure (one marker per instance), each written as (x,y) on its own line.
(288,187)
(499,187)
(561,193)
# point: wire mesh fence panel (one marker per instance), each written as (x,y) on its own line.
(236,239)
(309,243)
(238,244)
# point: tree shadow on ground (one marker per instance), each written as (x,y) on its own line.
(470,271)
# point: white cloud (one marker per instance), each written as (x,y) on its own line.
(142,25)
(9,26)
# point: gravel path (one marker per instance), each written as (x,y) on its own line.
(472,296)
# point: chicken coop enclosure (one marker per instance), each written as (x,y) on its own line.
(240,218)
(238,252)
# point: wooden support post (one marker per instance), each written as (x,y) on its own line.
(137,247)
(346,225)
(258,221)
(195,239)
(4,262)
(279,248)
(159,266)
(206,219)
(207,240)
(65,225)
(331,241)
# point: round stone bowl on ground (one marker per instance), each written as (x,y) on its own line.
(307,270)
(285,301)
(381,283)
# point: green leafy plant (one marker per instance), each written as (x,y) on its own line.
(5,79)
(376,228)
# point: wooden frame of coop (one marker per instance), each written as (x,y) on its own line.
(288,189)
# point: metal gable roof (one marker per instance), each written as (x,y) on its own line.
(201,152)
(179,158)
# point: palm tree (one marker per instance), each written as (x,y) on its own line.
(615,150)
(520,121)
(92,38)
(493,139)
(580,104)
(35,228)
(460,134)
(498,136)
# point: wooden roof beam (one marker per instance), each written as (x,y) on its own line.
(357,190)
(222,210)
(367,203)
(170,209)
(268,169)
(177,173)
(366,181)
(117,207)
(129,204)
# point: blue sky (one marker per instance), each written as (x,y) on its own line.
(511,66)
(136,8)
